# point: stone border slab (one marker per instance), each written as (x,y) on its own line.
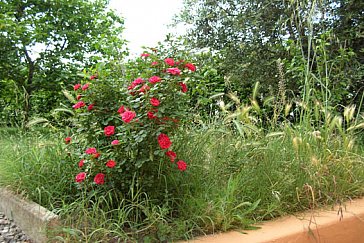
(343,224)
(33,219)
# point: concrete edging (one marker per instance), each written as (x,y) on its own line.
(338,225)
(343,224)
(33,219)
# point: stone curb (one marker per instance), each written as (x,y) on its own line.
(343,224)
(34,220)
(339,225)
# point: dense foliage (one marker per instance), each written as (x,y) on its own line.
(43,43)
(122,130)
(252,35)
(261,117)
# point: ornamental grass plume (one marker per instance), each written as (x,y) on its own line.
(281,83)
(296,141)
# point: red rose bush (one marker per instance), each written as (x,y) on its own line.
(125,124)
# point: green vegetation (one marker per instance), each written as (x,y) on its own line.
(44,44)
(248,37)
(231,182)
(34,164)
(273,125)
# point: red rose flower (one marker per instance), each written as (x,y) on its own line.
(121,109)
(90,107)
(154,79)
(164,141)
(76,86)
(137,82)
(111,163)
(190,66)
(172,155)
(183,87)
(115,142)
(99,179)
(151,115)
(144,55)
(174,71)
(128,116)
(109,130)
(91,151)
(96,155)
(80,177)
(80,164)
(179,62)
(170,119)
(182,166)
(67,140)
(169,61)
(144,88)
(78,97)
(154,102)
(154,63)
(85,86)
(78,105)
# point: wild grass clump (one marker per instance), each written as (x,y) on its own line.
(34,164)
(234,181)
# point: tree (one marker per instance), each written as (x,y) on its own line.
(246,33)
(251,35)
(42,42)
(349,25)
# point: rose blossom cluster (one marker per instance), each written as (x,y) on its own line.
(165,143)
(81,103)
(141,86)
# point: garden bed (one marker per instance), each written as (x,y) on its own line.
(340,224)
(218,197)
(343,223)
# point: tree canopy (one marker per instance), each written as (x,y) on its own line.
(251,35)
(43,42)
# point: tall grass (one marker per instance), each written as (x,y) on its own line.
(232,181)
(36,163)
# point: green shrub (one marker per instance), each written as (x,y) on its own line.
(123,130)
